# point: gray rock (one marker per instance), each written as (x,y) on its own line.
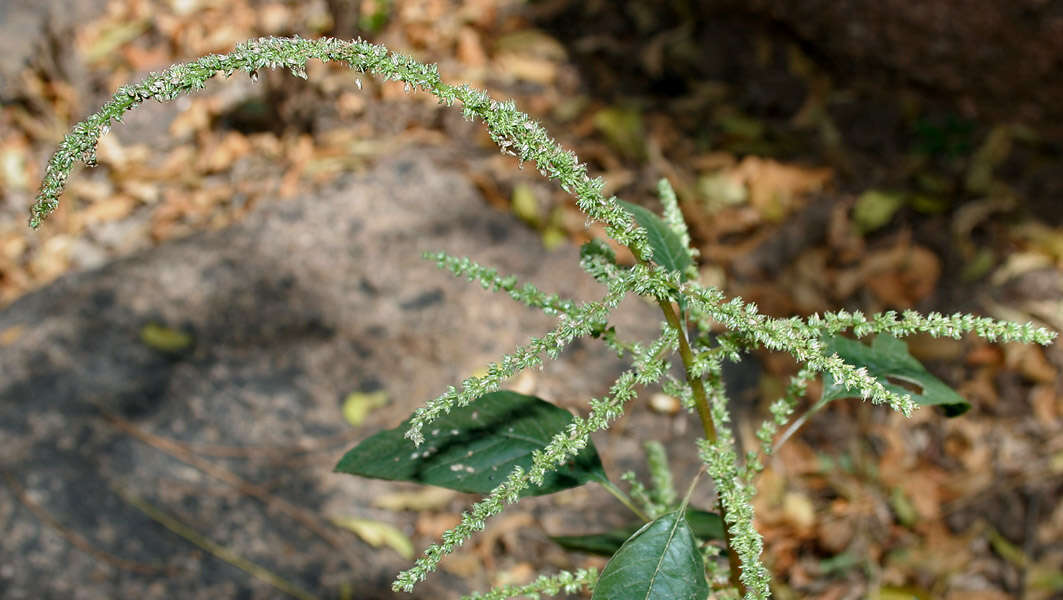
(289,311)
(30,28)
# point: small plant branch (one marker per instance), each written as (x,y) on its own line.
(662,490)
(794,426)
(700,399)
(566,581)
(622,497)
(649,368)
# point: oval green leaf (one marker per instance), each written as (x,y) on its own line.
(705,525)
(887,359)
(668,249)
(659,562)
(475,447)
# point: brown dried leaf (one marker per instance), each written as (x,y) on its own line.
(1046,404)
(11,334)
(464,564)
(426,498)
(903,275)
(799,512)
(526,68)
(16,172)
(470,50)
(433,525)
(775,189)
(221,154)
(195,118)
(985,354)
(1030,361)
(519,574)
(52,259)
(109,209)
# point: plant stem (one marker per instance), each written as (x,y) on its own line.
(623,498)
(701,402)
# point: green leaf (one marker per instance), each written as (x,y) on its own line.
(888,360)
(597,248)
(875,208)
(166,340)
(357,406)
(661,561)
(623,129)
(705,525)
(668,250)
(526,205)
(475,447)
(602,544)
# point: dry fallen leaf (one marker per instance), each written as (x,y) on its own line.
(504,528)
(10,335)
(835,534)
(901,276)
(1047,405)
(470,50)
(525,68)
(195,117)
(1030,361)
(464,564)
(664,404)
(985,354)
(521,573)
(426,498)
(15,170)
(357,406)
(110,209)
(799,512)
(433,525)
(377,534)
(1017,264)
(775,189)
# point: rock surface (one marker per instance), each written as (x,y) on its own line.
(29,30)
(235,435)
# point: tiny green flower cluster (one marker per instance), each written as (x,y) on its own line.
(782,408)
(662,487)
(796,338)
(512,130)
(734,488)
(935,324)
(551,585)
(641,496)
(580,321)
(489,278)
(660,498)
(673,217)
(603,411)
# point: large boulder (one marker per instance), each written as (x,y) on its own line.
(205,378)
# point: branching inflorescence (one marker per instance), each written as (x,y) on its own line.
(660,274)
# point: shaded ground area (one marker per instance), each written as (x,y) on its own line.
(834,155)
(204,381)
